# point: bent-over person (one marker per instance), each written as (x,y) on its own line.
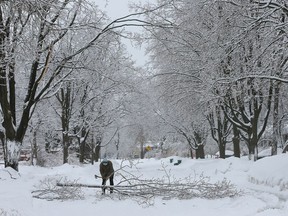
(107,172)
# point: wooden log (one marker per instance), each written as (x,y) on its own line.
(79,185)
(94,186)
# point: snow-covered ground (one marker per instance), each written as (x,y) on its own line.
(264,186)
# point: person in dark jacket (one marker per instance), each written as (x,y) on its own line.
(107,172)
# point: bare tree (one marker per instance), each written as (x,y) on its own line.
(256,50)
(54,22)
(226,47)
(66,98)
(220,128)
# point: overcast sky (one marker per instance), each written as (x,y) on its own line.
(119,8)
(114,8)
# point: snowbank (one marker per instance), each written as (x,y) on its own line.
(256,200)
(270,171)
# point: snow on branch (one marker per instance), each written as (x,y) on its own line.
(48,190)
(186,188)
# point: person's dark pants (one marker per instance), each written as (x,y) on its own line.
(111,183)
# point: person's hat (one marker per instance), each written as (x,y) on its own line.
(105,161)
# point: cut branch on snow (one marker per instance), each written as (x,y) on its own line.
(186,188)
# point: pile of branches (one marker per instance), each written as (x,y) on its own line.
(186,188)
(142,190)
(147,190)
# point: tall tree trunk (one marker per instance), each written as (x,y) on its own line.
(64,97)
(200,152)
(276,136)
(97,152)
(13,153)
(65,147)
(81,151)
(222,148)
(142,152)
(34,148)
(191,153)
(117,143)
(93,155)
(11,144)
(253,147)
(220,129)
(2,138)
(141,140)
(236,141)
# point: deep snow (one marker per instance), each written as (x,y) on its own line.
(264,186)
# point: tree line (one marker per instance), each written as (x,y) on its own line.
(217,73)
(64,73)
(221,72)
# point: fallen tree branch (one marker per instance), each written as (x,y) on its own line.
(48,190)
(182,189)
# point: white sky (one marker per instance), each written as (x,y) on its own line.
(119,8)
(114,8)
